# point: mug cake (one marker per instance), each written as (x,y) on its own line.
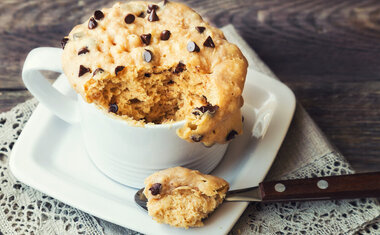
(158,63)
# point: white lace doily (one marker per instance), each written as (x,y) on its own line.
(24,210)
(318,217)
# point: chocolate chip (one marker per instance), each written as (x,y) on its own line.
(170,82)
(63,42)
(242,118)
(92,23)
(153,16)
(165,35)
(119,69)
(134,101)
(98,15)
(165,2)
(209,42)
(156,121)
(192,47)
(231,135)
(151,7)
(205,98)
(129,19)
(148,56)
(180,67)
(147,75)
(207,108)
(155,189)
(83,70)
(98,70)
(141,15)
(196,138)
(84,50)
(200,29)
(145,38)
(113,108)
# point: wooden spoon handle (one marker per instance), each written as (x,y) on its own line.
(333,187)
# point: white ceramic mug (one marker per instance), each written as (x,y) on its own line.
(124,153)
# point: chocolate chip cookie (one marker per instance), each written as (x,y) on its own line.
(158,63)
(183,198)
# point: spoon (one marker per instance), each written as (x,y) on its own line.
(323,188)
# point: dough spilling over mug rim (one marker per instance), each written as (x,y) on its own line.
(159,63)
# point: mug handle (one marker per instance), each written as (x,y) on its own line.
(48,58)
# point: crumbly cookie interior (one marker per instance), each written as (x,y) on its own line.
(150,96)
(158,63)
(182,197)
(184,207)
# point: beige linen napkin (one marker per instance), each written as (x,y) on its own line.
(305,153)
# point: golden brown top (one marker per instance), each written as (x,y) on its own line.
(134,39)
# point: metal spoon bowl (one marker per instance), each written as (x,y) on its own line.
(140,199)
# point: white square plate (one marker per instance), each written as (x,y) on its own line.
(50,156)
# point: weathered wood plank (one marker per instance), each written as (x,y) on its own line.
(349,114)
(9,99)
(318,41)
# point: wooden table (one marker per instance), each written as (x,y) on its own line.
(327,52)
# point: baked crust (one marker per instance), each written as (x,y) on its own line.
(157,91)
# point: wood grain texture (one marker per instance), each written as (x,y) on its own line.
(324,188)
(327,51)
(10,98)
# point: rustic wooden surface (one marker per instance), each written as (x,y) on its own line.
(327,51)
